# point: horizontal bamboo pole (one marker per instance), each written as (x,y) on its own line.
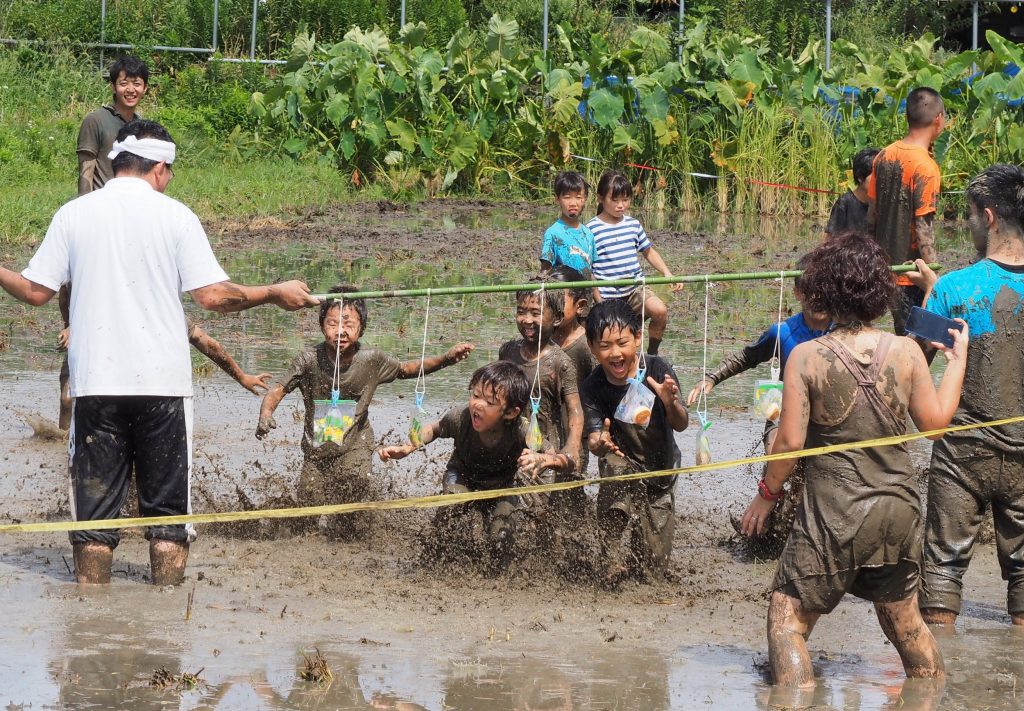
(504,288)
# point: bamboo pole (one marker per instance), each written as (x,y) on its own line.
(534,286)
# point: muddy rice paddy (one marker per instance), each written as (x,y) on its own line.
(261,608)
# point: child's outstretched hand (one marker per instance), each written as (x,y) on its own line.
(706,385)
(459,353)
(667,390)
(532,463)
(256,384)
(399,451)
(264,426)
(959,350)
(604,444)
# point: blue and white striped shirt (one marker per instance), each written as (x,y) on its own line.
(617,246)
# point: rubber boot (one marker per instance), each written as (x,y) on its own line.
(167,562)
(92,563)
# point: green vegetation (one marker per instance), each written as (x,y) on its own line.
(490,114)
(226,169)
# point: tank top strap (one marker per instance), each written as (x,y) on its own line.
(867,377)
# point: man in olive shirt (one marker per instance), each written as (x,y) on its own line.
(129,77)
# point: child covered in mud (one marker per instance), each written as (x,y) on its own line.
(552,381)
(490,448)
(567,242)
(571,336)
(636,518)
(858,529)
(618,238)
(778,341)
(850,211)
(339,472)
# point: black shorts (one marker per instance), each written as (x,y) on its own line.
(111,435)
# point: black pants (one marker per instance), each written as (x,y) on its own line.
(907,297)
(111,435)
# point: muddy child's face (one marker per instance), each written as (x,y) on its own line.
(487,408)
(343,323)
(616,352)
(571,204)
(128,91)
(533,324)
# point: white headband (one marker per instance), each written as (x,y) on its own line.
(148,148)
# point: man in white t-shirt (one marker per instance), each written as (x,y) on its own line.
(131,252)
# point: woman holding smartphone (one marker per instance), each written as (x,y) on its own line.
(858,528)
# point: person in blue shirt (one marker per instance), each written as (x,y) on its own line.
(779,339)
(567,242)
(977,470)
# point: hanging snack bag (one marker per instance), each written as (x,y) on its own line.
(534,438)
(331,420)
(768,399)
(703,443)
(636,405)
(416,426)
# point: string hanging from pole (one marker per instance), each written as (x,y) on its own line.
(420,389)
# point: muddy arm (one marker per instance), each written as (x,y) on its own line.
(270,402)
(86,171)
(227,297)
(427,435)
(575,434)
(411,368)
(931,409)
(212,349)
(925,233)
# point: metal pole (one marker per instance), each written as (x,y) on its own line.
(103,28)
(216,13)
(828,35)
(545,31)
(974,26)
(504,288)
(682,13)
(252,40)
(974,33)
(401,22)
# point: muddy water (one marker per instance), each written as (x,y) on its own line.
(395,634)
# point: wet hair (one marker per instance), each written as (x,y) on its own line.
(613,183)
(569,181)
(612,313)
(554,299)
(862,163)
(563,274)
(1000,188)
(131,163)
(923,105)
(357,305)
(801,265)
(506,380)
(848,277)
(133,68)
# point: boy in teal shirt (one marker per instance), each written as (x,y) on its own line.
(567,242)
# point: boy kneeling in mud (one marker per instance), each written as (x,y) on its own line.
(490,448)
(636,518)
(339,472)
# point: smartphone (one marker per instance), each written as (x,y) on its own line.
(931,327)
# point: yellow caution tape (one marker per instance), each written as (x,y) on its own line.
(438,500)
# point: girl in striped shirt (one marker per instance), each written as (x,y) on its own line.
(618,238)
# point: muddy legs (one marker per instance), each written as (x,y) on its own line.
(92,563)
(939,616)
(167,561)
(903,625)
(789,626)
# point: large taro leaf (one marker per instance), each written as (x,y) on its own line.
(626,138)
(375,42)
(501,33)
(1006,51)
(606,106)
(404,134)
(654,104)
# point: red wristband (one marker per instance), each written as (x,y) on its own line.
(765,493)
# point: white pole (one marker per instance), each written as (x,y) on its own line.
(828,35)
(216,12)
(545,30)
(401,22)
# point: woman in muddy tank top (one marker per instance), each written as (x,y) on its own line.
(858,528)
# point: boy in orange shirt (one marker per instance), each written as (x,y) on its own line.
(903,193)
